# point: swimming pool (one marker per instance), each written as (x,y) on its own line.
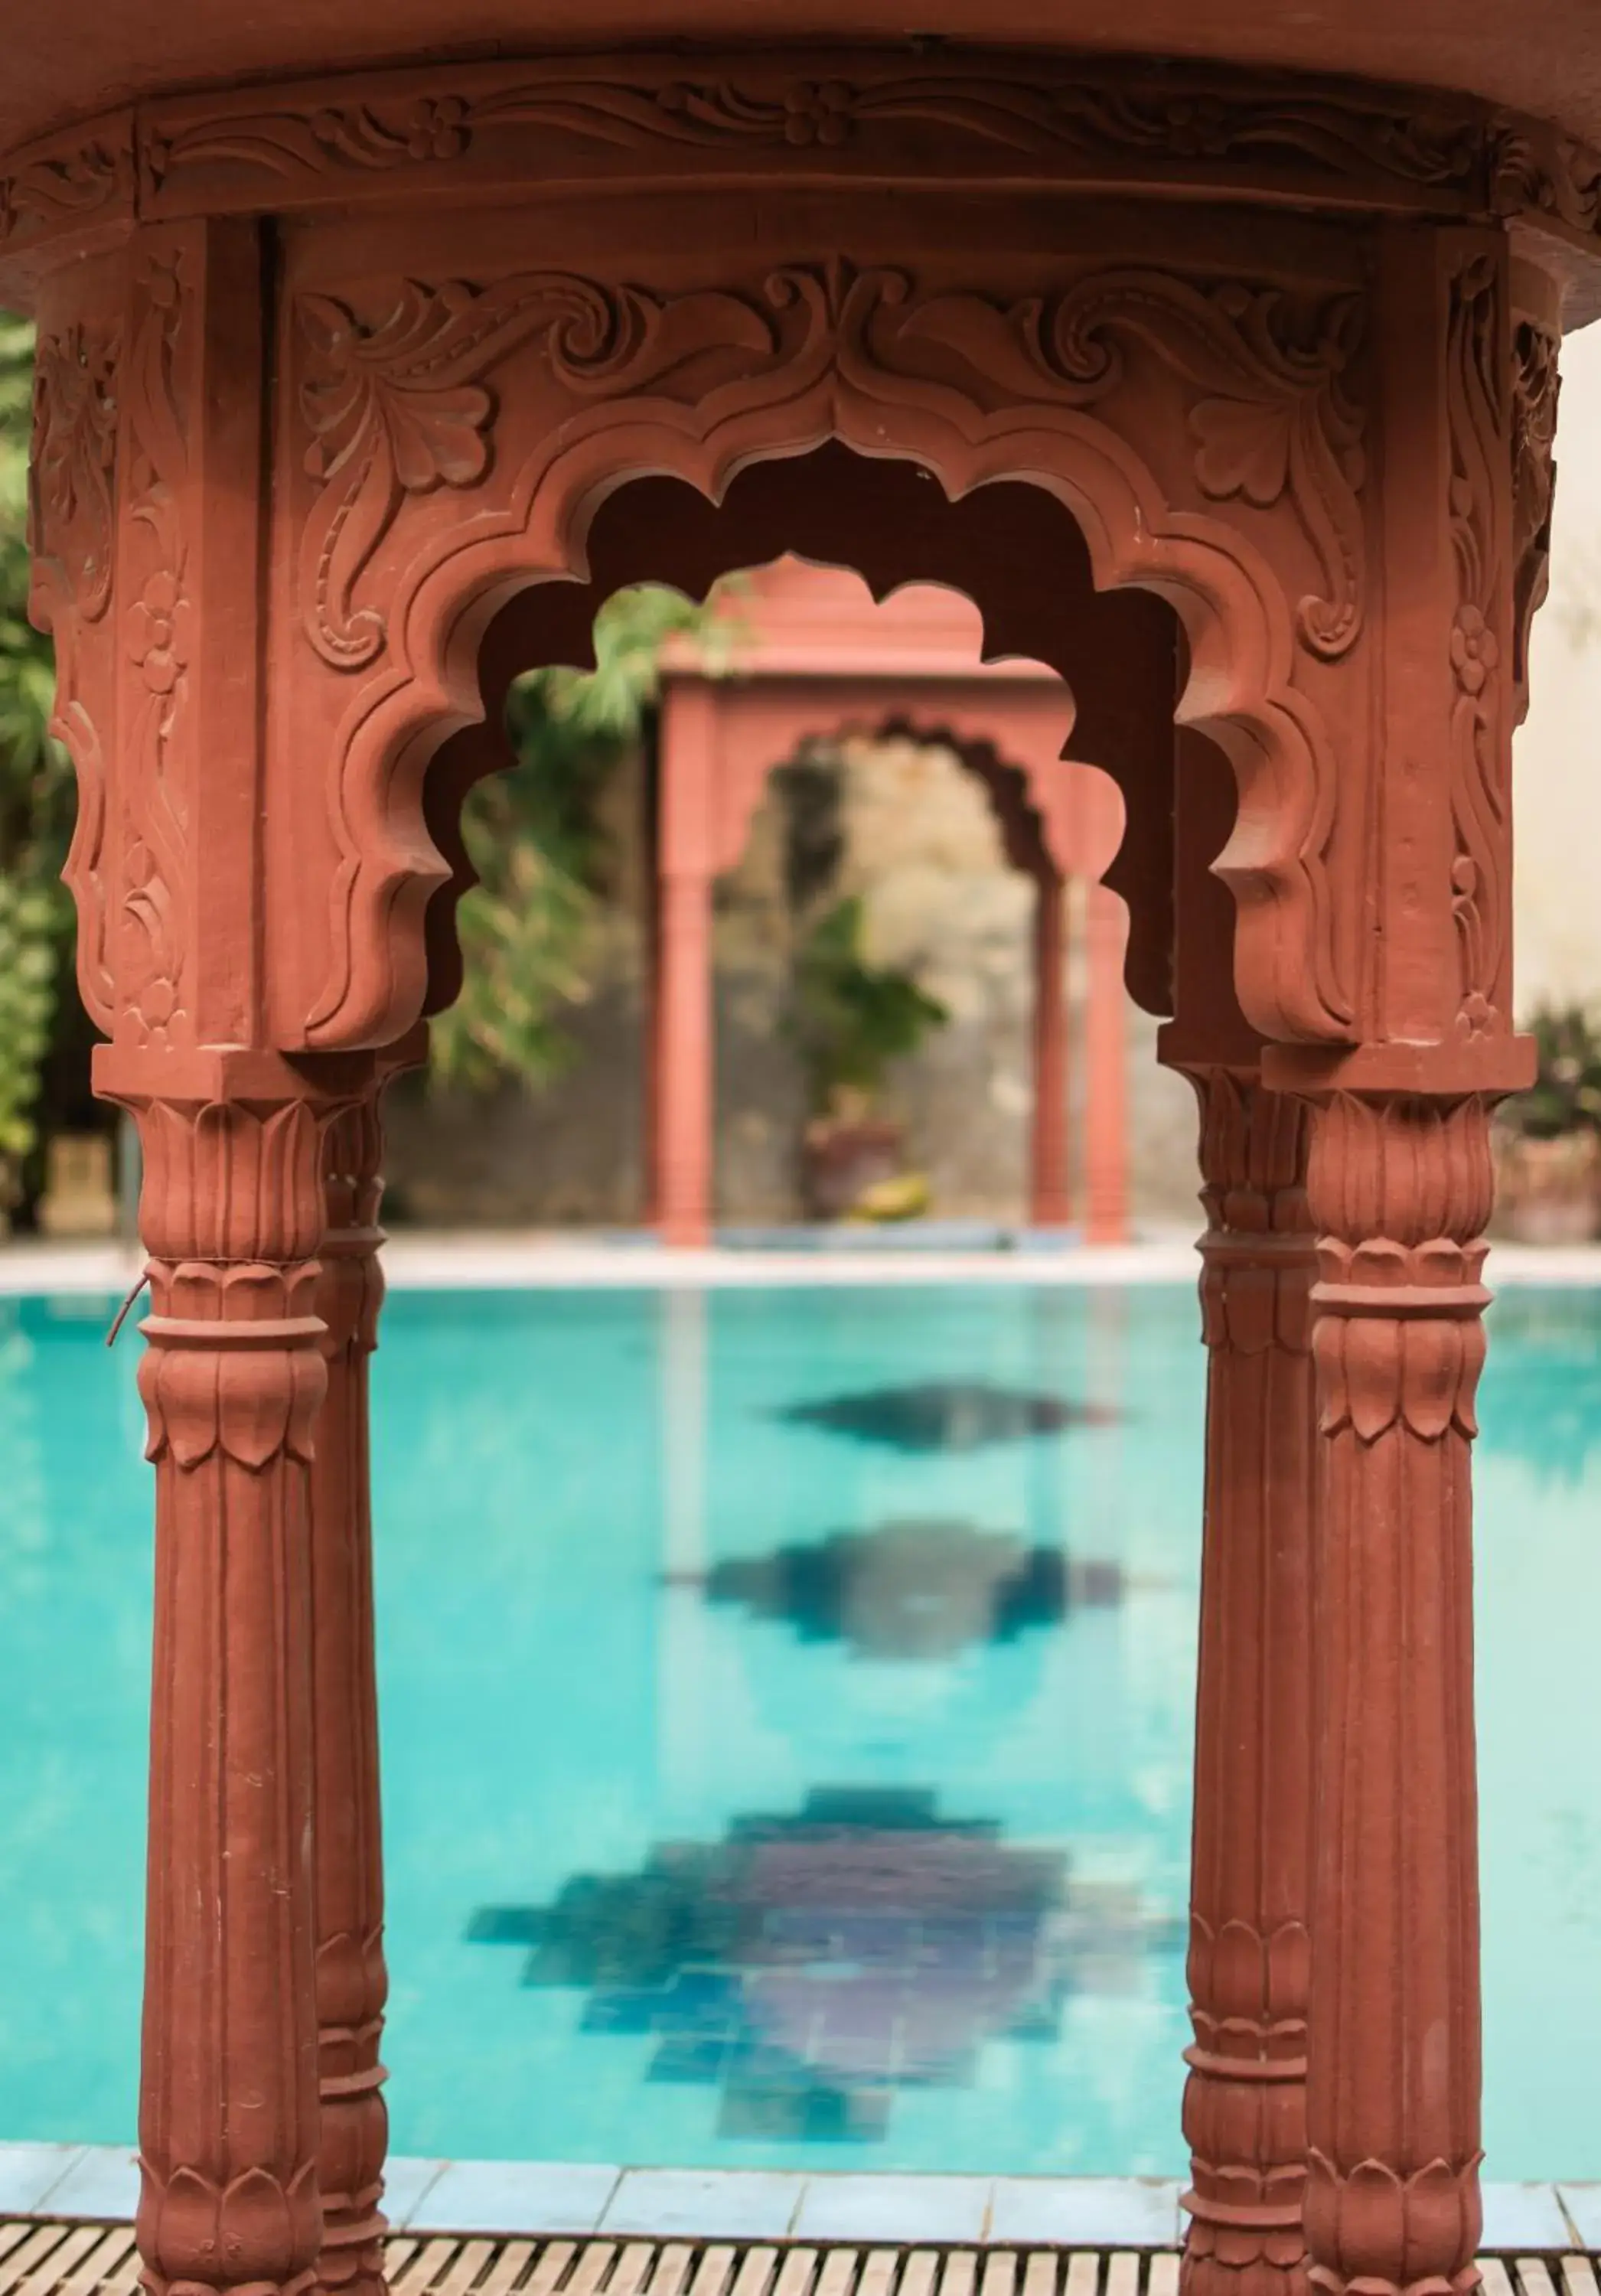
(786,1724)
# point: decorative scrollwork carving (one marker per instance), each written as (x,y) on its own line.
(74,456)
(399,407)
(1275,415)
(1535,387)
(1536,170)
(1077,117)
(1476,423)
(62,187)
(334,136)
(157,621)
(72,515)
(1116,121)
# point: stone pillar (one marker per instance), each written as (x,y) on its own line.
(1050,1196)
(1245,2103)
(1105,1064)
(352,1982)
(1400,1189)
(682,1131)
(232,1213)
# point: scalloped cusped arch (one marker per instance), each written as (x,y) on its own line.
(698,388)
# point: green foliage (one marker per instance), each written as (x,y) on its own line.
(528,928)
(1565,1096)
(850,1019)
(27,968)
(35,789)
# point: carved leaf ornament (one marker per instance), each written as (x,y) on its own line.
(1475,422)
(72,536)
(1085,120)
(1536,385)
(60,190)
(157,633)
(1275,416)
(74,445)
(399,407)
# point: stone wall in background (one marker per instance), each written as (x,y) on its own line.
(908,829)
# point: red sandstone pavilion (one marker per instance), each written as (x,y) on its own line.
(814,659)
(1224,386)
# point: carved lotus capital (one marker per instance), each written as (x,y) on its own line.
(256,2230)
(1370,2218)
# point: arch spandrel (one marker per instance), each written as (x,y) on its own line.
(448,442)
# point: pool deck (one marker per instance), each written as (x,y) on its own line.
(99,2183)
(423,1259)
(59,2259)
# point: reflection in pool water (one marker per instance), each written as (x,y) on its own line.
(777,1771)
(944,1415)
(914,1590)
(810,1966)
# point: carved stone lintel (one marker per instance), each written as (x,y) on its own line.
(352,1982)
(1245,2103)
(1083,125)
(1400,1190)
(233,1379)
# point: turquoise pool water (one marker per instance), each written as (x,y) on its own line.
(786,1724)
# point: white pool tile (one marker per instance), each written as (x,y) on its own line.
(28,2172)
(1524,2217)
(1086,2211)
(102,2185)
(407,2180)
(535,2196)
(907,2210)
(1582,2205)
(713,2204)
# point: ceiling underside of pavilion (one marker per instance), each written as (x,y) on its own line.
(75,57)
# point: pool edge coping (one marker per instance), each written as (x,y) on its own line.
(898,2208)
(490,1260)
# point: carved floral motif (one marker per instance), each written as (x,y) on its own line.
(229,1388)
(1476,423)
(156,638)
(399,395)
(1076,117)
(74,457)
(349,136)
(72,515)
(1275,416)
(1425,2227)
(66,186)
(1086,122)
(1535,386)
(399,407)
(1535,169)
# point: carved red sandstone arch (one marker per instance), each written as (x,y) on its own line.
(1074,831)
(1027,412)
